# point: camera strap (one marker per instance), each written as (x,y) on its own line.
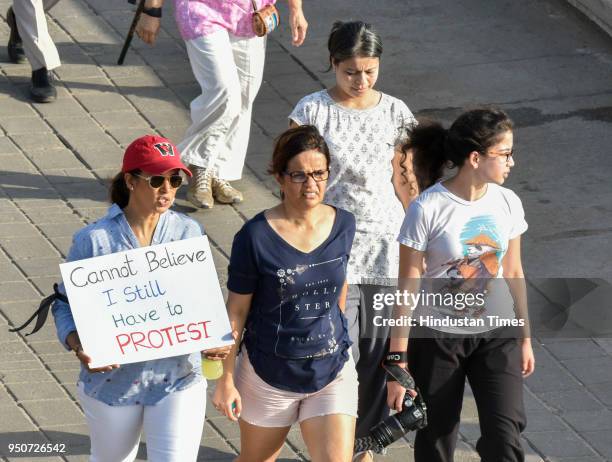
(401,375)
(395,357)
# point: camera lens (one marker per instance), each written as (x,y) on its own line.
(412,417)
(389,430)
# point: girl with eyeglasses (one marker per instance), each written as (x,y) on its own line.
(467,230)
(287,290)
(371,178)
(164,397)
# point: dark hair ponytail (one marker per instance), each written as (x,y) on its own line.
(434,147)
(119,192)
(353,39)
(427,141)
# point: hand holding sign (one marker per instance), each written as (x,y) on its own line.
(217,354)
(147,303)
(74,342)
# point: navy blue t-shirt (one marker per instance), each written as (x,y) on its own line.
(296,336)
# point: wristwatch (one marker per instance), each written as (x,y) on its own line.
(153,12)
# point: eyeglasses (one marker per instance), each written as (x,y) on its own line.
(302,177)
(156,181)
(505,156)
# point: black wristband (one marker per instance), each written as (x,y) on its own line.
(153,12)
(396,357)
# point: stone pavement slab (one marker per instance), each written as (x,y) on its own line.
(540,60)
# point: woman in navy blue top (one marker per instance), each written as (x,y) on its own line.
(287,288)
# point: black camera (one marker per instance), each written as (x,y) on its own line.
(413,416)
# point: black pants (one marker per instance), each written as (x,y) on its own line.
(369,348)
(493,367)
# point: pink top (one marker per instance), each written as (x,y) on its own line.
(196,18)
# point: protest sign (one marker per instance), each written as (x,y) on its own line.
(147,303)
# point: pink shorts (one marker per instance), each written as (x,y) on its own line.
(267,406)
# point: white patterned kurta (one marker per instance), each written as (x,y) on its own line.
(362,145)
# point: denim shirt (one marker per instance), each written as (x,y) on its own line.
(145,382)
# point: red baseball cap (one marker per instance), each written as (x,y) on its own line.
(153,154)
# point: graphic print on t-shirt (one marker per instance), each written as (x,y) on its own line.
(482,252)
(308,293)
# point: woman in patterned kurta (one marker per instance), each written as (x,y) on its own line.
(370,177)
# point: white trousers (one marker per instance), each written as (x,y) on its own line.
(32,25)
(229,70)
(173,427)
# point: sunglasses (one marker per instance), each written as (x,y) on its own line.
(156,181)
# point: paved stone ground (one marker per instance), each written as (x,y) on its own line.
(539,59)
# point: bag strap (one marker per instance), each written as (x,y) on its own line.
(43,311)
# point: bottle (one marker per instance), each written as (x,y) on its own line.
(212,370)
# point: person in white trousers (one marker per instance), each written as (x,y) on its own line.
(164,397)
(29,38)
(227,60)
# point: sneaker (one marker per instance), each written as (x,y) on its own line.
(200,188)
(42,90)
(225,193)
(15,45)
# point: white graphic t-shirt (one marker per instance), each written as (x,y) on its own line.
(464,244)
(362,144)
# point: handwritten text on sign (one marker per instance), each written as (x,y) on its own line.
(147,303)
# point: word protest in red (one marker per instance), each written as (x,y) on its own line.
(163,337)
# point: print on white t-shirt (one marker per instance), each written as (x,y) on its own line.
(464,244)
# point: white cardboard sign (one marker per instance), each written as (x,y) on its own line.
(147,303)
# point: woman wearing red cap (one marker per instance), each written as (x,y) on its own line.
(165,397)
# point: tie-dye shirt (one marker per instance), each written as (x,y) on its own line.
(197,18)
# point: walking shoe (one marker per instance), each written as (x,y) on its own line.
(42,90)
(225,193)
(200,188)
(15,45)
